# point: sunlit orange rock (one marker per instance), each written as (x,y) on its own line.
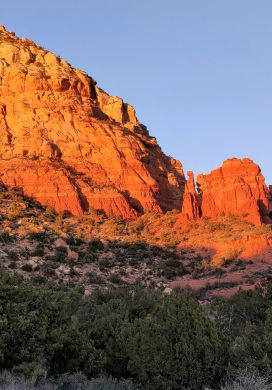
(270,200)
(70,145)
(190,204)
(237,188)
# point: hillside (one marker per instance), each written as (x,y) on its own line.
(117,271)
(70,145)
(216,257)
(88,197)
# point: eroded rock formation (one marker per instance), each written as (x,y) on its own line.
(237,188)
(70,145)
(190,204)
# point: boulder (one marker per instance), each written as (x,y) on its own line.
(59,242)
(73,255)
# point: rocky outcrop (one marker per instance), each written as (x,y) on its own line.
(70,145)
(236,188)
(270,200)
(190,204)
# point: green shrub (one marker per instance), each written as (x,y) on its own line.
(13,255)
(74,241)
(61,253)
(12,265)
(48,269)
(34,372)
(104,264)
(116,279)
(95,245)
(94,278)
(50,212)
(39,236)
(161,341)
(159,366)
(27,267)
(87,258)
(134,261)
(39,250)
(5,237)
(172,268)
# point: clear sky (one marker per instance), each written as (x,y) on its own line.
(198,72)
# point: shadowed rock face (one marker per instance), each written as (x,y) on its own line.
(70,145)
(237,188)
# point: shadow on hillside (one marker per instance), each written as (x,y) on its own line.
(158,266)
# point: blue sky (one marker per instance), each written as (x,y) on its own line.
(198,72)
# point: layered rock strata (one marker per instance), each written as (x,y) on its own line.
(72,146)
(236,188)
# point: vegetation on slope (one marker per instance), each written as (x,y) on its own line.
(154,340)
(96,251)
(159,341)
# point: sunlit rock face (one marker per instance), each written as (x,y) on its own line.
(70,145)
(190,203)
(236,188)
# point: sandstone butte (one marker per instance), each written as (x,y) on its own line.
(237,188)
(68,144)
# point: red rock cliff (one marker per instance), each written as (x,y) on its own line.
(237,188)
(190,204)
(70,145)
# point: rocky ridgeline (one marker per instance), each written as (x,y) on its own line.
(68,144)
